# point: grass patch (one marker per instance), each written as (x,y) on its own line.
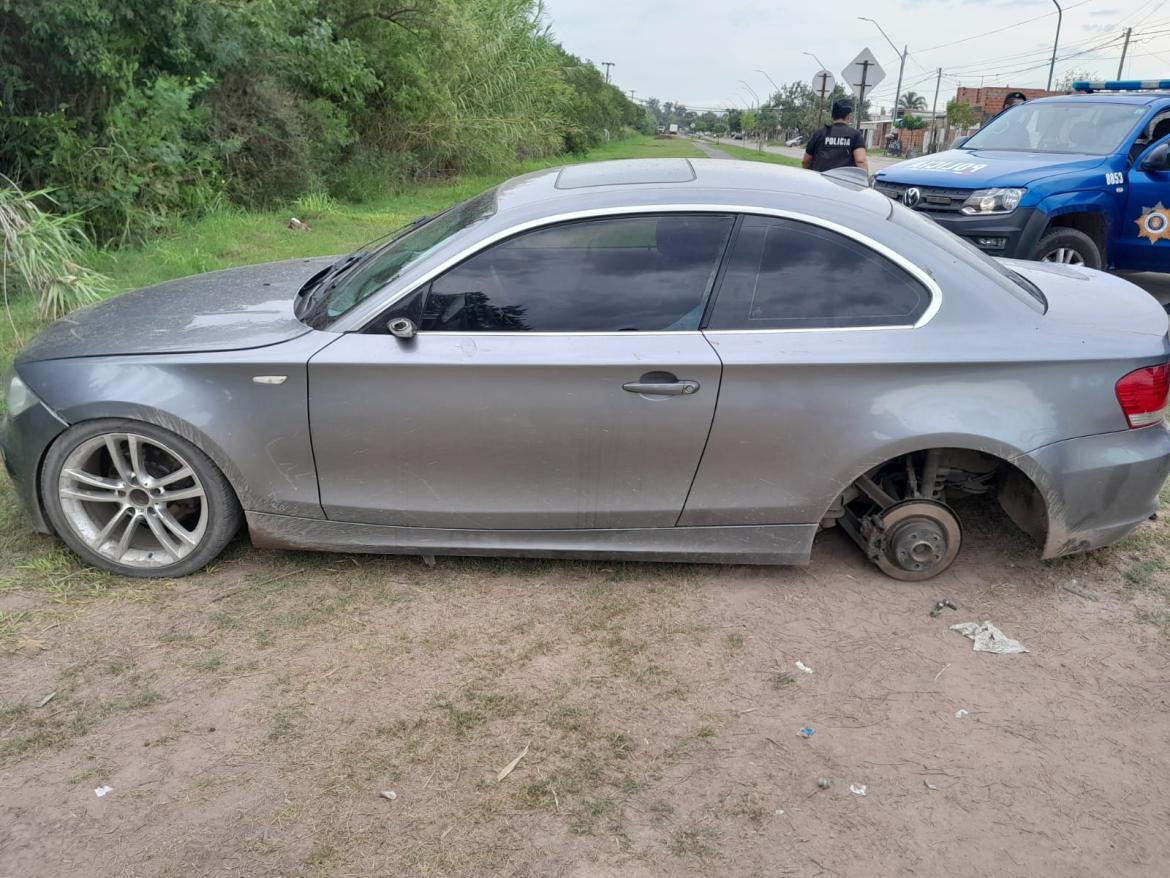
(693,842)
(287,723)
(781,679)
(735,641)
(751,155)
(73,714)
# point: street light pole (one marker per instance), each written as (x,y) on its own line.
(821,105)
(770,80)
(757,97)
(901,63)
(1052,66)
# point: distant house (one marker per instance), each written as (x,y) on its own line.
(986,102)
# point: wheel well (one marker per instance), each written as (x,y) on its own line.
(1092,224)
(201,444)
(954,472)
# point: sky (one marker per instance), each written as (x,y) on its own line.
(697,51)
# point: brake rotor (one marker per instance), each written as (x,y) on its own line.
(920,539)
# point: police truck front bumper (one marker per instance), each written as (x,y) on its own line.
(1014,234)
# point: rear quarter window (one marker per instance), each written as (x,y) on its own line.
(787,274)
(1011,282)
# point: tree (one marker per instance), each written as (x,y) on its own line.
(748,121)
(960,115)
(1065,82)
(767,119)
(911,122)
(911,102)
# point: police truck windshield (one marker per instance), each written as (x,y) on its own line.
(1077,126)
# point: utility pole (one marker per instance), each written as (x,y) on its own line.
(934,112)
(632,95)
(1124,49)
(822,79)
(901,64)
(1052,66)
(607,65)
(865,65)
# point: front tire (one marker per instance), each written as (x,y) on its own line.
(137,500)
(1069,247)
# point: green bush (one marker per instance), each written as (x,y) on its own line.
(42,254)
(134,111)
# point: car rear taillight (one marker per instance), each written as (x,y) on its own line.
(1142,394)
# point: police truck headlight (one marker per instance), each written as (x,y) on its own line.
(18,398)
(985,201)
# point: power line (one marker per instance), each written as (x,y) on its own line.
(999,30)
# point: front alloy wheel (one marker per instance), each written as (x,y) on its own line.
(137,500)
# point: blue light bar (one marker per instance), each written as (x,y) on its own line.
(1123,85)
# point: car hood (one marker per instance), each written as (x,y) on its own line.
(1093,300)
(225,310)
(982,168)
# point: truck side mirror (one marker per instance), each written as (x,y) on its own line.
(1158,159)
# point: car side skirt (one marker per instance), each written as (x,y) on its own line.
(755,544)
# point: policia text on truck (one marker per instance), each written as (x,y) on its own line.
(1082,179)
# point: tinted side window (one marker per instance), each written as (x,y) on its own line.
(784,274)
(622,273)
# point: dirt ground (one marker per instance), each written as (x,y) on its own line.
(247,718)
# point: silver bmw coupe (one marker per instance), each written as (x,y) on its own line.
(664,360)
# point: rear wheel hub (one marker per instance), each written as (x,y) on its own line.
(920,539)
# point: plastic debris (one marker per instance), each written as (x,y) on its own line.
(388,794)
(944,604)
(929,785)
(824,783)
(507,769)
(988,638)
(101,791)
(807,732)
(801,666)
(779,811)
(299,225)
(858,789)
(961,712)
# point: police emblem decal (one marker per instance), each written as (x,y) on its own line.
(1154,223)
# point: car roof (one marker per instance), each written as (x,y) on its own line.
(1103,97)
(673,181)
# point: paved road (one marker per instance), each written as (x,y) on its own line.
(710,151)
(876,162)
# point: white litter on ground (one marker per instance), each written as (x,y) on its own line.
(801,666)
(858,789)
(988,638)
(101,791)
(960,713)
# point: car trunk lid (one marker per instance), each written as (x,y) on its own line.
(1093,299)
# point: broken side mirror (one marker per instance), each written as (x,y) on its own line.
(402,327)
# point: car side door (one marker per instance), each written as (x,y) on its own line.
(558,379)
(1142,241)
(802,386)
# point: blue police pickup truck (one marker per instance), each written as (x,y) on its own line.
(1082,178)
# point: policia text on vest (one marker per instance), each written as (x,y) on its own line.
(837,145)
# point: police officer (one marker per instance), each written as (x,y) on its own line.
(838,145)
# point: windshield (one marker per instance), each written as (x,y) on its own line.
(966,252)
(1082,127)
(375,271)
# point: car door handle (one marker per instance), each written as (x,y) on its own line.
(662,388)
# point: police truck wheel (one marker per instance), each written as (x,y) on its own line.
(1070,247)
